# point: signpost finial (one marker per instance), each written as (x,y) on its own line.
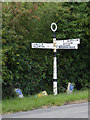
(53,24)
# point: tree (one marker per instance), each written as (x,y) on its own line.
(31,69)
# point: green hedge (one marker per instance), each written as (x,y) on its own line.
(32,69)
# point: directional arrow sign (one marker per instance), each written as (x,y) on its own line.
(69,41)
(51,46)
(42,45)
(67,46)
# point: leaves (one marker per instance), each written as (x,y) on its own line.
(32,69)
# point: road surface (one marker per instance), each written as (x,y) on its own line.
(66,111)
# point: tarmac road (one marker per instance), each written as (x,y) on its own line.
(66,111)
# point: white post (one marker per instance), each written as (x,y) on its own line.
(54,66)
(54,60)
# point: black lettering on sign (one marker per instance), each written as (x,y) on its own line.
(35,45)
(43,45)
(39,45)
(66,47)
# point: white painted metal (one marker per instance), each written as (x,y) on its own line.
(55,87)
(55,68)
(67,46)
(69,41)
(59,42)
(52,27)
(54,46)
(43,45)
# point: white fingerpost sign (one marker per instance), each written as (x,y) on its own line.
(57,44)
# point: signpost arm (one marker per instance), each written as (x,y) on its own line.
(54,66)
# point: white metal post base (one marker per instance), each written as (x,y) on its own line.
(55,87)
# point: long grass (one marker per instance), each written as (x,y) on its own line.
(33,102)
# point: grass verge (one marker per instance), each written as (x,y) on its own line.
(32,102)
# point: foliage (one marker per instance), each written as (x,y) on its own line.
(31,69)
